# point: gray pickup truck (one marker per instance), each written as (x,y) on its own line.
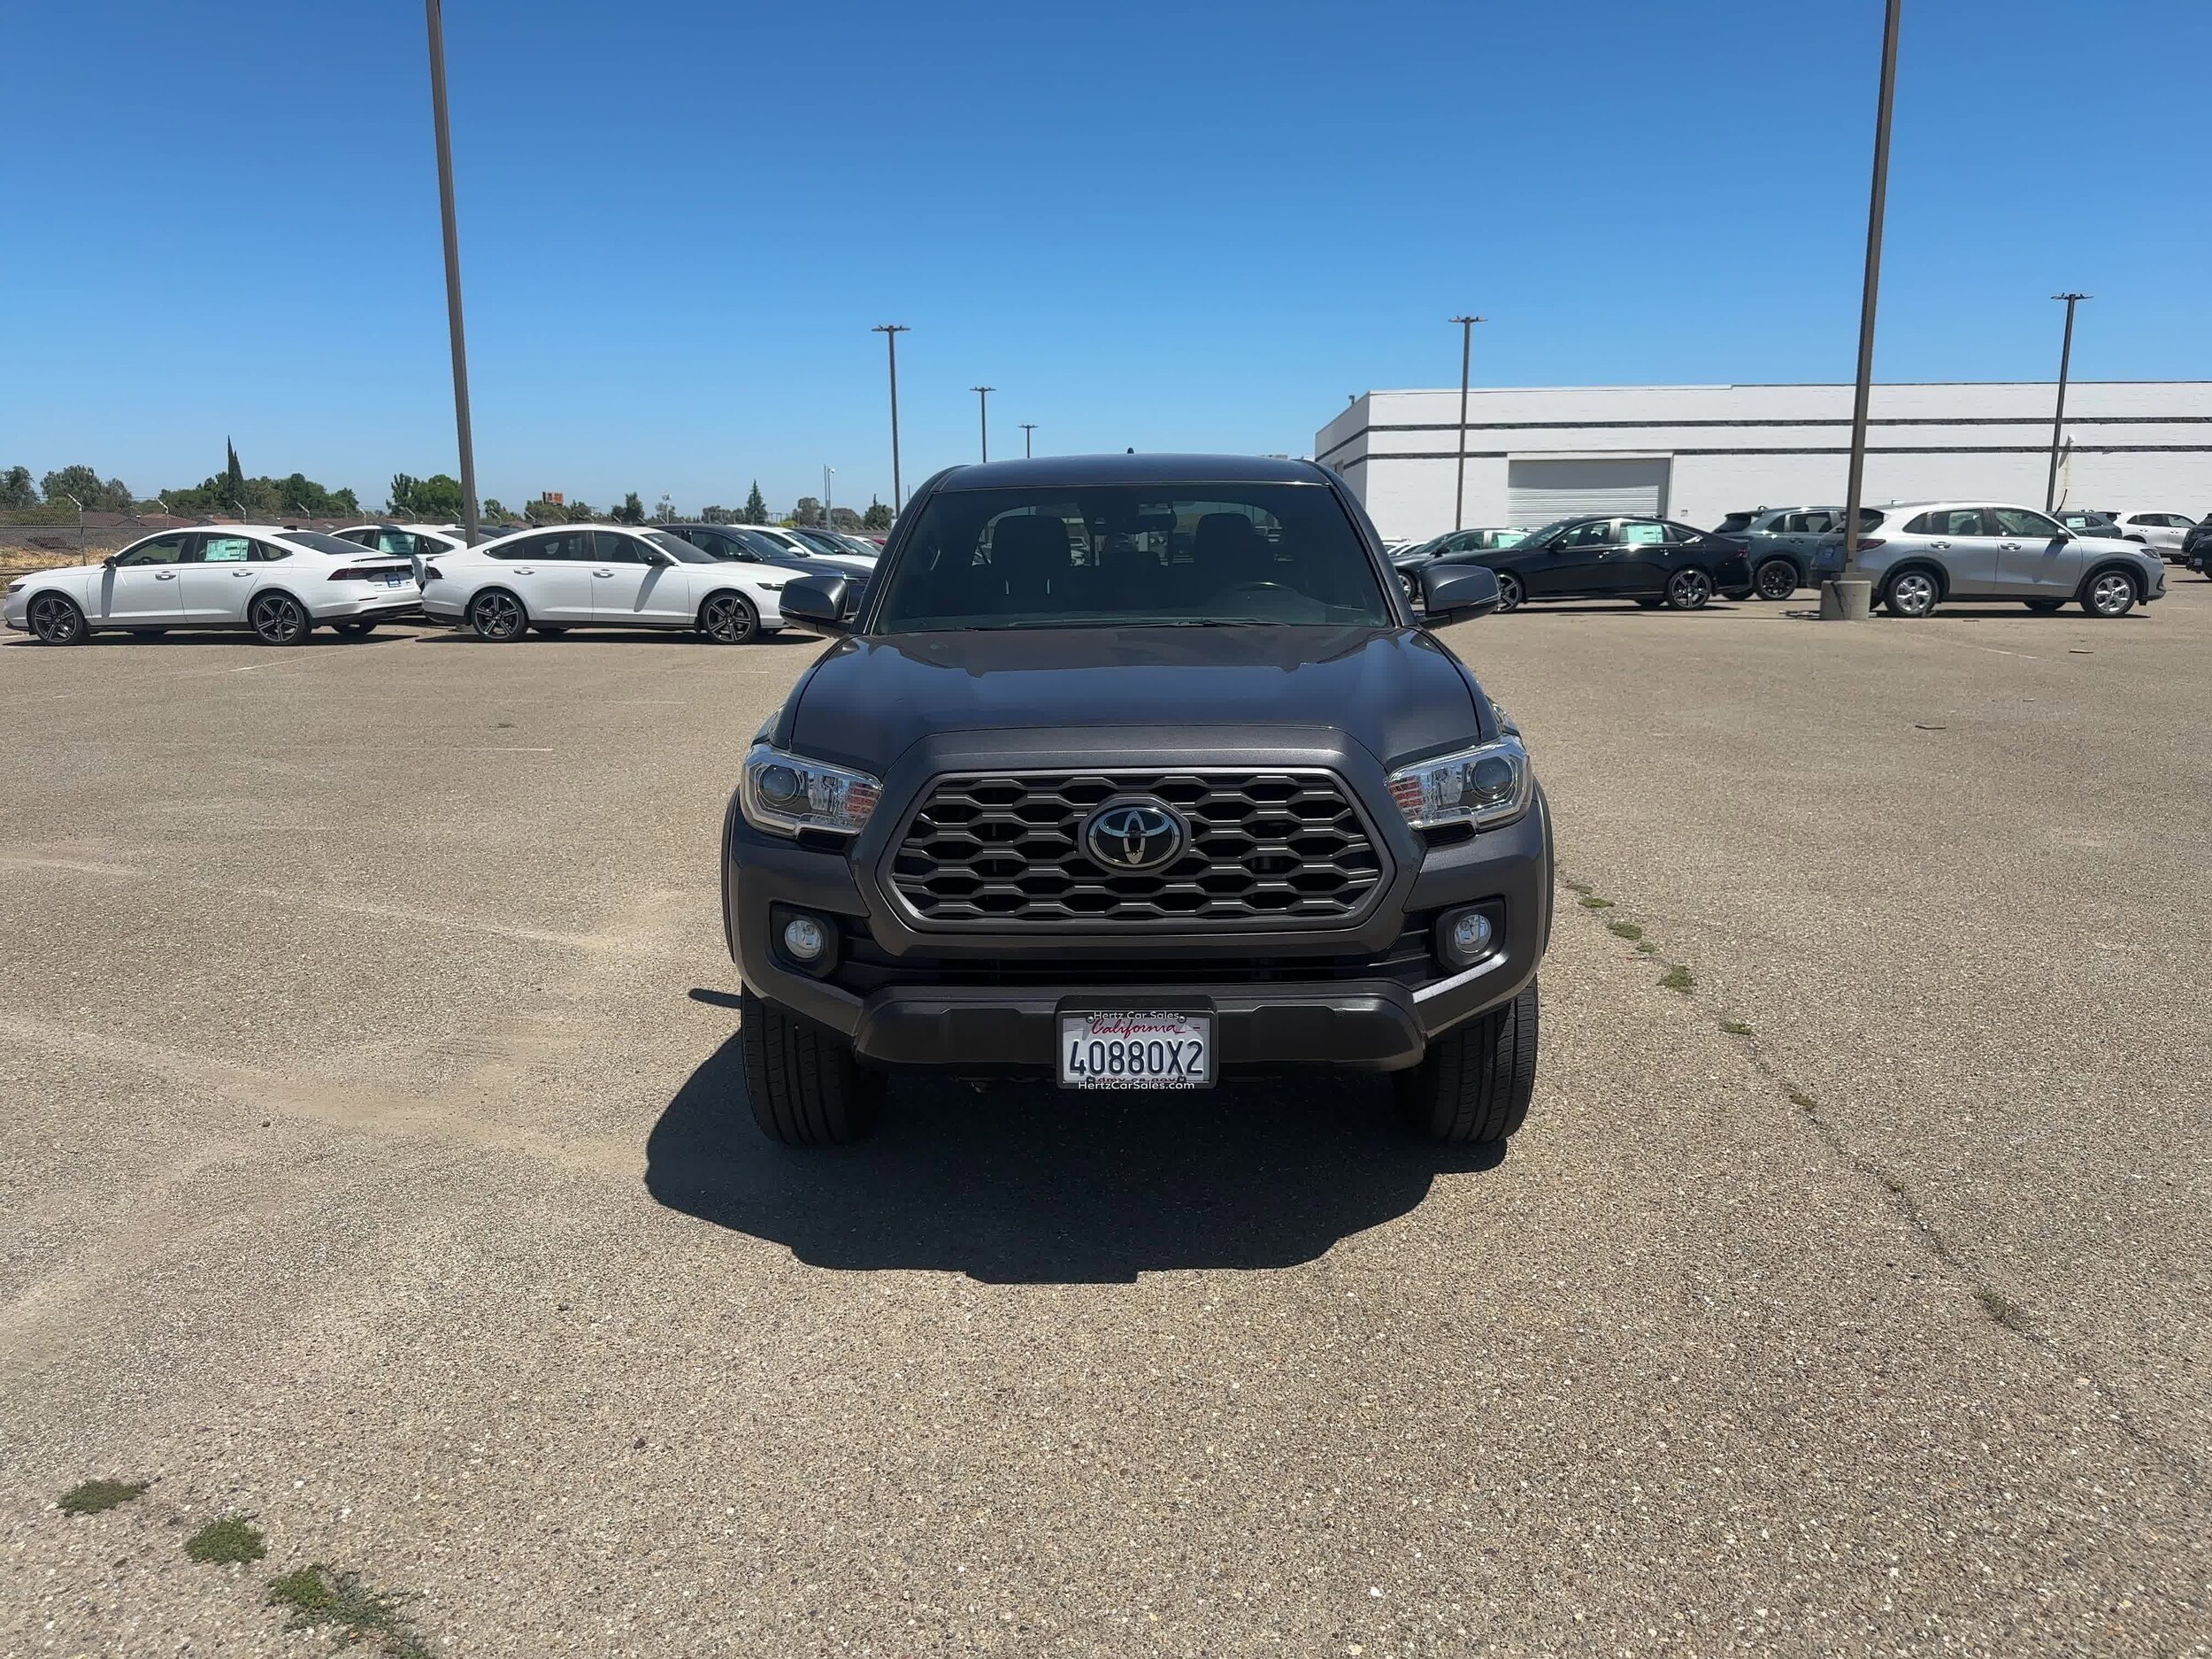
(1137,772)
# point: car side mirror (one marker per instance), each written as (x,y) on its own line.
(818,601)
(109,563)
(1457,592)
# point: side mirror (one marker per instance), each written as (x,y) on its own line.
(1457,592)
(818,601)
(108,561)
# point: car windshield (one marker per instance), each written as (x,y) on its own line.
(766,546)
(322,543)
(1128,555)
(678,549)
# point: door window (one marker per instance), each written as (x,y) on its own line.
(1597,533)
(2020,522)
(1950,521)
(540,549)
(398,542)
(614,548)
(163,550)
(224,549)
(1642,533)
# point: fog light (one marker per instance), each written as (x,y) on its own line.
(1466,937)
(805,939)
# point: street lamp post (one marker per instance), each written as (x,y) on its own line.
(2058,418)
(983,414)
(1833,603)
(1028,427)
(828,473)
(891,332)
(434,13)
(1466,356)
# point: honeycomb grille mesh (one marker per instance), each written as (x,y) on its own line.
(988,848)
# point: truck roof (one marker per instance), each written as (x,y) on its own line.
(1077,471)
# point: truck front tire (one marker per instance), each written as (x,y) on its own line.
(805,1087)
(1474,1084)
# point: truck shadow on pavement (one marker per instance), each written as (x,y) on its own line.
(1025,1185)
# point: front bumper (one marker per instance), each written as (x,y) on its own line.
(1311,1005)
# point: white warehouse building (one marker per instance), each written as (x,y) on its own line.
(1697,453)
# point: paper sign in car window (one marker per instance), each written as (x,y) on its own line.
(1643,535)
(224,550)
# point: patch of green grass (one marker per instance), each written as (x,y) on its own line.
(93,1497)
(1625,930)
(231,1539)
(1590,904)
(318,1595)
(1735,1028)
(1646,948)
(1572,885)
(2003,1309)
(1676,979)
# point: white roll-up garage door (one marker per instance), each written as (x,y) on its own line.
(1538,492)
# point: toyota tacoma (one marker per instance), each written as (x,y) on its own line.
(1137,772)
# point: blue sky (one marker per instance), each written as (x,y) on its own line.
(1189,226)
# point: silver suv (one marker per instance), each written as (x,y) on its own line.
(1921,554)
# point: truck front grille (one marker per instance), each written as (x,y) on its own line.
(1273,845)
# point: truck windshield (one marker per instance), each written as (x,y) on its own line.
(1127,556)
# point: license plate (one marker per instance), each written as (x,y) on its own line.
(398,578)
(1136,1050)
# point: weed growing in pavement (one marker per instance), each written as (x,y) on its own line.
(321,1595)
(229,1539)
(1735,1028)
(1588,902)
(1625,930)
(1676,979)
(92,1497)
(1573,886)
(1803,1102)
(2003,1309)
(1646,949)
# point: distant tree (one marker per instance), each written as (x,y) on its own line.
(808,512)
(234,476)
(82,482)
(544,511)
(843,519)
(631,512)
(718,515)
(433,500)
(581,512)
(877,518)
(492,509)
(401,503)
(756,509)
(17,491)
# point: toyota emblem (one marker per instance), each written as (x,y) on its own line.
(1135,835)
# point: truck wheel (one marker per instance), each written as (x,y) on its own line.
(1475,1083)
(805,1087)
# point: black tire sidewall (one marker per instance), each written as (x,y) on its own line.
(264,602)
(746,609)
(81,629)
(522,617)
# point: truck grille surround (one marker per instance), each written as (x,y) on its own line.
(1279,845)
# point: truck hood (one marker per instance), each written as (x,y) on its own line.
(1395,691)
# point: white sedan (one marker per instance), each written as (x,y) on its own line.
(282,584)
(601,576)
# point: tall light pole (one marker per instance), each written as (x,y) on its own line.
(2058,419)
(1466,356)
(1853,490)
(983,414)
(432,10)
(1028,427)
(828,473)
(891,332)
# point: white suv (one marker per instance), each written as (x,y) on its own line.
(2160,531)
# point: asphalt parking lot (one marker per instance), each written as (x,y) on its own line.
(374,1169)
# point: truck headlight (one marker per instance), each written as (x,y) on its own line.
(1484,785)
(785,794)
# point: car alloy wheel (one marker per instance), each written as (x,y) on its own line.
(278,619)
(1509,593)
(496,616)
(2111,595)
(1912,593)
(1688,590)
(54,621)
(728,620)
(1776,580)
